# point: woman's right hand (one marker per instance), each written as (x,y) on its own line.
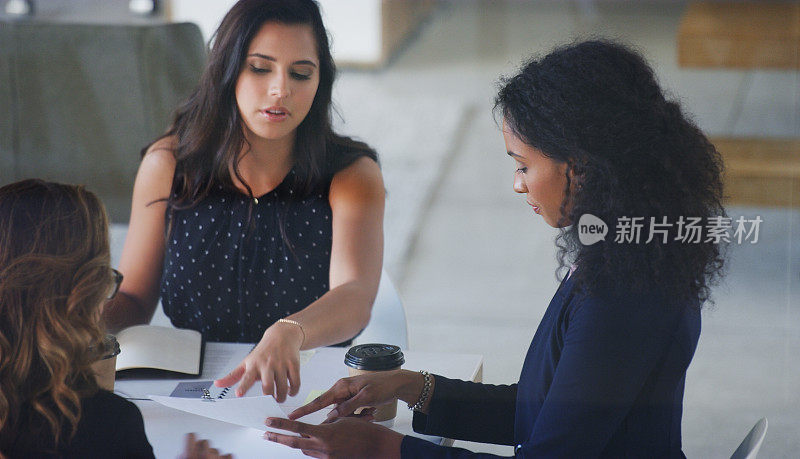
(370,389)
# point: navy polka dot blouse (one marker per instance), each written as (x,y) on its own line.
(228,271)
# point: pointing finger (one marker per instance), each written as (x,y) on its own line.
(326,399)
(231,378)
(349,406)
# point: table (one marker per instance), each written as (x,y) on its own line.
(166,427)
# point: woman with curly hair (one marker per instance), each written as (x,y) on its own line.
(252,220)
(591,132)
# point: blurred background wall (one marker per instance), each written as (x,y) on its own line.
(475,268)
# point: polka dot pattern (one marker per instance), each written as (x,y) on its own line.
(231,277)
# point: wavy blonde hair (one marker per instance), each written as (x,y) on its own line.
(54,277)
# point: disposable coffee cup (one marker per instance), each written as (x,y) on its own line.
(369,358)
(105,369)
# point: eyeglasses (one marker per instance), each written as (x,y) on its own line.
(117,281)
(110,347)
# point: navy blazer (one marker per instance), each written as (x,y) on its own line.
(603,377)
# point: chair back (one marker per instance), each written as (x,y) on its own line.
(749,447)
(388,322)
(79,101)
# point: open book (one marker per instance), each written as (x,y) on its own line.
(160,349)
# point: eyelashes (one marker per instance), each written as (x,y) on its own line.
(295,75)
(255,69)
(522,170)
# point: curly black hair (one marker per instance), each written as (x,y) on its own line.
(630,152)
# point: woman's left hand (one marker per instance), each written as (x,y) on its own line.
(274,361)
(344,437)
(196,449)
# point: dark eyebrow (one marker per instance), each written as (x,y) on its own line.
(514,155)
(270,58)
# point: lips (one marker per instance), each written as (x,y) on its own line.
(535,208)
(275,113)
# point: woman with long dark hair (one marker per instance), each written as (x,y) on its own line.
(593,137)
(273,222)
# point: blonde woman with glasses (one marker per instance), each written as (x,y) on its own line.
(55,277)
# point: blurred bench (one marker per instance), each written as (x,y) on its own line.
(761,172)
(749,35)
(745,35)
(78,101)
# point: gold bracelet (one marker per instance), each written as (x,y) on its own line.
(294,322)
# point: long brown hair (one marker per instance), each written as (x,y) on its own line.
(54,276)
(208,127)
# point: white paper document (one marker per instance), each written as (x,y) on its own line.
(243,411)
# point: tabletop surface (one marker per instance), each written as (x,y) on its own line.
(320,368)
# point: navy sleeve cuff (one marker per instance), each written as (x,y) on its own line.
(412,446)
(467,410)
(437,417)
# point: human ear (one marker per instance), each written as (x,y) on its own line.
(575,175)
